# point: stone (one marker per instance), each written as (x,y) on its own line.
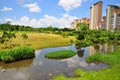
(50,74)
(3,70)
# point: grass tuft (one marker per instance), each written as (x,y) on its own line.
(60,54)
(17,54)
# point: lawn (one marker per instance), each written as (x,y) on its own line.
(111,73)
(41,40)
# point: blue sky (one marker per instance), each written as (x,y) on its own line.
(42,13)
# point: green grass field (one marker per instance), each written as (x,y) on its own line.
(40,40)
(111,73)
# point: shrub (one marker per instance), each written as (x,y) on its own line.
(17,54)
(83,43)
(60,54)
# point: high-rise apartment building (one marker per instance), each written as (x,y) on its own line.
(113,17)
(83,20)
(103,23)
(74,24)
(118,22)
(96,15)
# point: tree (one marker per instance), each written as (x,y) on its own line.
(25,37)
(81,35)
(4,38)
(82,26)
(11,35)
(7,36)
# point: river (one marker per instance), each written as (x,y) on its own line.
(41,68)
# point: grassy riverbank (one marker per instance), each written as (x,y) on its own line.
(40,40)
(17,54)
(111,73)
(60,54)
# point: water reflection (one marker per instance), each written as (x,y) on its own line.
(80,53)
(40,67)
(104,48)
(16,65)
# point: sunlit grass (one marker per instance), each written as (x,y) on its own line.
(40,40)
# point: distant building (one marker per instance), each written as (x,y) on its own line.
(118,22)
(113,17)
(103,23)
(96,15)
(83,20)
(74,24)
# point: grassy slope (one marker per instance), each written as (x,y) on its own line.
(60,54)
(111,73)
(37,40)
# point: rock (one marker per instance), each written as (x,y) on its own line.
(3,70)
(50,74)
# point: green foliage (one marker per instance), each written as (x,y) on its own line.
(17,54)
(82,26)
(71,41)
(65,34)
(81,36)
(60,54)
(83,43)
(25,37)
(60,77)
(7,36)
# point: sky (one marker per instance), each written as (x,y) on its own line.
(44,13)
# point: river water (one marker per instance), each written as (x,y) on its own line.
(41,68)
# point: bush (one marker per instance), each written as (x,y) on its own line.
(83,43)
(17,54)
(60,54)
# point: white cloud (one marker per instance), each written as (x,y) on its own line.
(70,4)
(33,7)
(64,21)
(7,9)
(8,19)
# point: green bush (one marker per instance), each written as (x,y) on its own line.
(60,54)
(17,54)
(83,43)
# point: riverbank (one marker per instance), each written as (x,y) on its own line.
(17,54)
(40,40)
(110,73)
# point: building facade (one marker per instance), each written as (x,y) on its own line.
(96,15)
(83,20)
(118,22)
(74,24)
(103,23)
(113,17)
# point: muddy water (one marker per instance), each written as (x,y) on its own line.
(41,68)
